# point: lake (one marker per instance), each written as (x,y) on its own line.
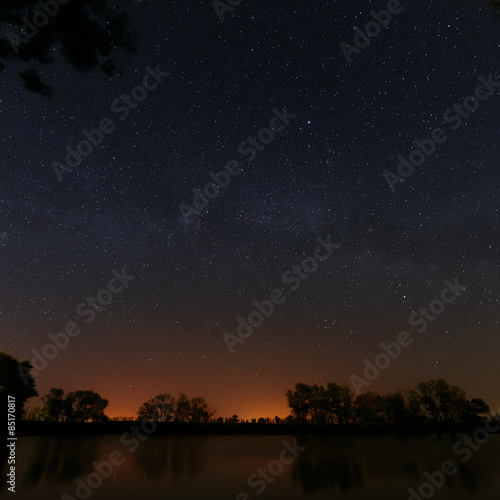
(228,467)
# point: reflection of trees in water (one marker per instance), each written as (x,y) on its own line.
(326,464)
(326,474)
(174,457)
(61,459)
(340,465)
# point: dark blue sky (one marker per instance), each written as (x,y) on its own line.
(322,175)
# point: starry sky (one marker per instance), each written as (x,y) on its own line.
(323,174)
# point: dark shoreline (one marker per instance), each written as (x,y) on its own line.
(37,428)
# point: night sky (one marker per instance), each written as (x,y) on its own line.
(321,176)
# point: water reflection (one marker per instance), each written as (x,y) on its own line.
(327,474)
(349,467)
(319,469)
(58,459)
(61,460)
(344,464)
(171,457)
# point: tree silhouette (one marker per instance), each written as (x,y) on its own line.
(340,403)
(163,408)
(299,401)
(200,410)
(86,406)
(17,381)
(183,409)
(414,406)
(158,409)
(435,401)
(442,401)
(394,409)
(475,410)
(85,32)
(55,404)
(320,405)
(39,413)
(77,406)
(368,408)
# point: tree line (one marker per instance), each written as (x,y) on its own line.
(165,408)
(88,406)
(435,401)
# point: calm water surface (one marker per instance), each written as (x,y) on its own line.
(218,467)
